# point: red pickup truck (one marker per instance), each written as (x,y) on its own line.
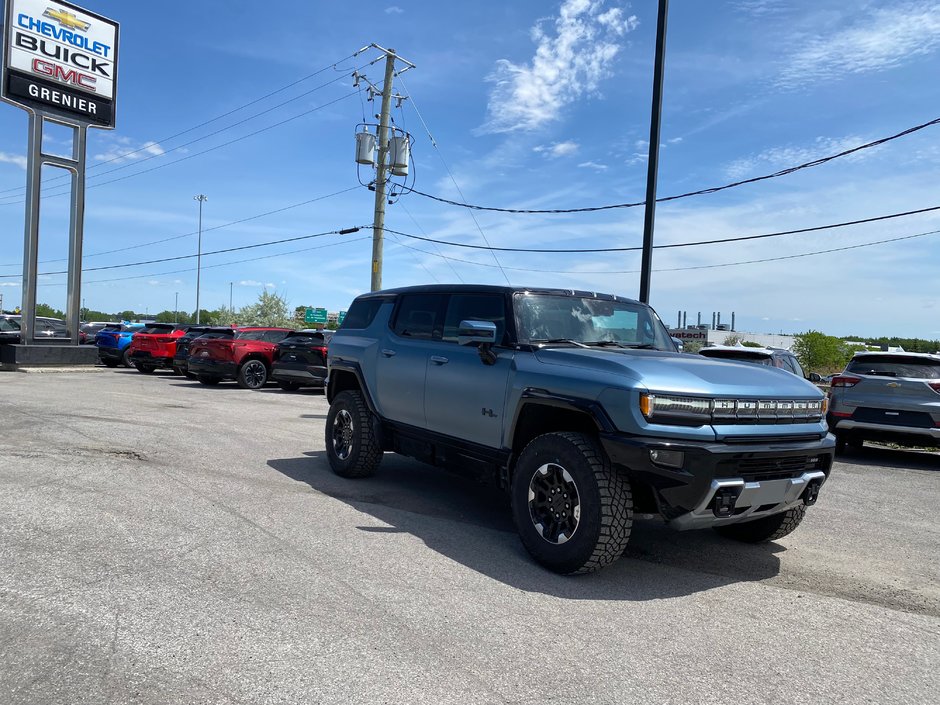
(242,354)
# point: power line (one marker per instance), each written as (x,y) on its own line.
(700,192)
(675,245)
(204,230)
(702,266)
(205,151)
(451,175)
(344,231)
(132,152)
(225,264)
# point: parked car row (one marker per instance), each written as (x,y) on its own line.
(250,355)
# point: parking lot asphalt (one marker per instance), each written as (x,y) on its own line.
(165,542)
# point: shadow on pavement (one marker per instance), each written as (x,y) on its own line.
(883,457)
(440,509)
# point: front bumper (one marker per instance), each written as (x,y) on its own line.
(207,367)
(766,478)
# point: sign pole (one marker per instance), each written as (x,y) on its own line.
(76,232)
(31,230)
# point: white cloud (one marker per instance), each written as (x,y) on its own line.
(9,284)
(777,157)
(593,165)
(124,151)
(250,282)
(394,10)
(17,159)
(558,149)
(876,41)
(569,62)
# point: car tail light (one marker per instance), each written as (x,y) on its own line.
(166,339)
(844,381)
(934,386)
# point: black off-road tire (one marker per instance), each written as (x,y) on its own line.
(604,499)
(253,374)
(289,386)
(209,381)
(351,444)
(144,369)
(769,528)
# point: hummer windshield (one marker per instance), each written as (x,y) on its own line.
(588,321)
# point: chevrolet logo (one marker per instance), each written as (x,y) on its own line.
(66,19)
(893,385)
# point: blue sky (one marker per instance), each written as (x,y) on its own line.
(531,104)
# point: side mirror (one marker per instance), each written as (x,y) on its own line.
(815,377)
(678,343)
(476,333)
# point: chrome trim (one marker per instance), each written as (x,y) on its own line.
(783,494)
(850,425)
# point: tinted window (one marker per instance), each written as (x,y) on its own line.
(479,307)
(274,336)
(361,313)
(8,324)
(795,364)
(156,329)
(249,334)
(738,356)
(216,334)
(895,366)
(418,316)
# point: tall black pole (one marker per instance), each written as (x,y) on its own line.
(651,175)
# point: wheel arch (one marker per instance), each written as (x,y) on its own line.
(540,412)
(345,376)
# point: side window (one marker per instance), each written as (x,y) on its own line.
(794,363)
(274,336)
(418,316)
(361,313)
(249,335)
(479,307)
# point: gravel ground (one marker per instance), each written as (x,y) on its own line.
(165,542)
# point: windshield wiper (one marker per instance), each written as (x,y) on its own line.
(638,346)
(555,341)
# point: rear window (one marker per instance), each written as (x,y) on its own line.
(9,324)
(739,356)
(303,337)
(894,366)
(274,336)
(157,328)
(217,334)
(361,313)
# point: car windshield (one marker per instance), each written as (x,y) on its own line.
(9,324)
(738,355)
(895,366)
(590,321)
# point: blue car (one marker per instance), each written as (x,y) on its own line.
(113,342)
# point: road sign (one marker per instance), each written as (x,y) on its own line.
(315,315)
(341,317)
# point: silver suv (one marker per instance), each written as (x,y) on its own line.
(772,357)
(891,397)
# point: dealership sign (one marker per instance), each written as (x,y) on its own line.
(689,334)
(61,60)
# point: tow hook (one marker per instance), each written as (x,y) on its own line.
(811,493)
(724,501)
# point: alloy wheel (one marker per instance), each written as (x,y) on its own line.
(343,429)
(554,503)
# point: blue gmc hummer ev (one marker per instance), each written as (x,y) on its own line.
(578,404)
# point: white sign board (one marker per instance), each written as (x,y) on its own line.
(61,59)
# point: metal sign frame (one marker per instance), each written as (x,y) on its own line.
(39,114)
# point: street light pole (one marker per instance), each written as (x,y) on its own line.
(646,263)
(230,307)
(176,306)
(202,198)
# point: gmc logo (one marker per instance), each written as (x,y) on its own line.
(73,76)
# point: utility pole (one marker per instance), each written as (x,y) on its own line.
(653,162)
(378,220)
(176,306)
(202,198)
(230,307)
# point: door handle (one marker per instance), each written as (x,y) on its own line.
(438,360)
(388,353)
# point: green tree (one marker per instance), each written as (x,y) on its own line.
(818,352)
(750,344)
(47,311)
(692,346)
(732,339)
(128,316)
(271,309)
